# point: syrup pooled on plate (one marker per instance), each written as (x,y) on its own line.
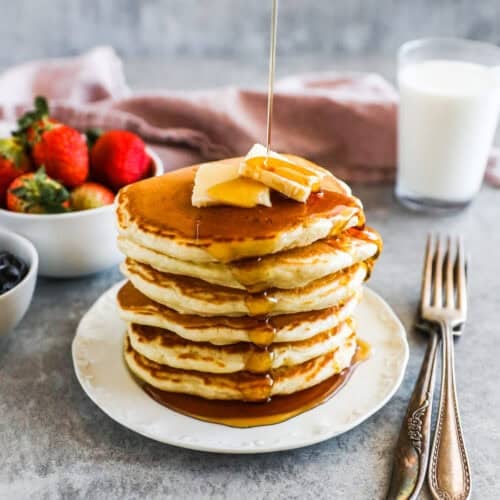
(248,414)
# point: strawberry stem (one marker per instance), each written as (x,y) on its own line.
(92,135)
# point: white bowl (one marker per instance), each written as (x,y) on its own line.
(74,243)
(15,302)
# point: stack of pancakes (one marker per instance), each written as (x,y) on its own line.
(232,303)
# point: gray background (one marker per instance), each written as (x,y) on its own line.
(56,444)
(168,29)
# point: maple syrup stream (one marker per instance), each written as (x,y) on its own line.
(272,65)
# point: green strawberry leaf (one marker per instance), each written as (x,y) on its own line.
(32,118)
(41,106)
(41,111)
(43,192)
(20,192)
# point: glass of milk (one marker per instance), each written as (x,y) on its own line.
(449,106)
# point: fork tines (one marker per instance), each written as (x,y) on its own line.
(444,277)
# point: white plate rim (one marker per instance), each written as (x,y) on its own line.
(368,293)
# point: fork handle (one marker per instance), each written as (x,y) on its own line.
(449,471)
(412,451)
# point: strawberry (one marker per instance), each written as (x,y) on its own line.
(35,193)
(61,149)
(91,195)
(119,158)
(13,163)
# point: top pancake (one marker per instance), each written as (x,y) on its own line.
(157,213)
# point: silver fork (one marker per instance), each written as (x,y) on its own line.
(444,302)
(411,455)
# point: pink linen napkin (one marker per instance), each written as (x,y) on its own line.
(344,121)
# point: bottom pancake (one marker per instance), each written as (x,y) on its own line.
(243,386)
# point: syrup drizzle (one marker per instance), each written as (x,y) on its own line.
(197,223)
(260,360)
(264,334)
(260,304)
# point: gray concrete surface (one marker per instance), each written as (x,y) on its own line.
(55,443)
(233,28)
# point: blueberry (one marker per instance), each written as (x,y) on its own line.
(12,271)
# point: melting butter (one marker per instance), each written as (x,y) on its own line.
(219,183)
(241,192)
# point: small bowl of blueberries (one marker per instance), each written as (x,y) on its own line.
(18,270)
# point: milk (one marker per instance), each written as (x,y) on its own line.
(447,119)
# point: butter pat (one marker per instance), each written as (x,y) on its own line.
(292,176)
(219,183)
(241,192)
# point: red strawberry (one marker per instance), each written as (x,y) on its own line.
(62,150)
(35,193)
(119,158)
(91,195)
(13,163)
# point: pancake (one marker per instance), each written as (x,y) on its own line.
(244,386)
(288,269)
(157,213)
(135,307)
(193,296)
(167,348)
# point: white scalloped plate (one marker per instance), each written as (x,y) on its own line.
(100,369)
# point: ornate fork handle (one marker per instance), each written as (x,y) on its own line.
(449,471)
(412,451)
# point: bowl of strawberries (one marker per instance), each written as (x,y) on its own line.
(58,186)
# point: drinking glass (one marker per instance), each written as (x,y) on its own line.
(448,113)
